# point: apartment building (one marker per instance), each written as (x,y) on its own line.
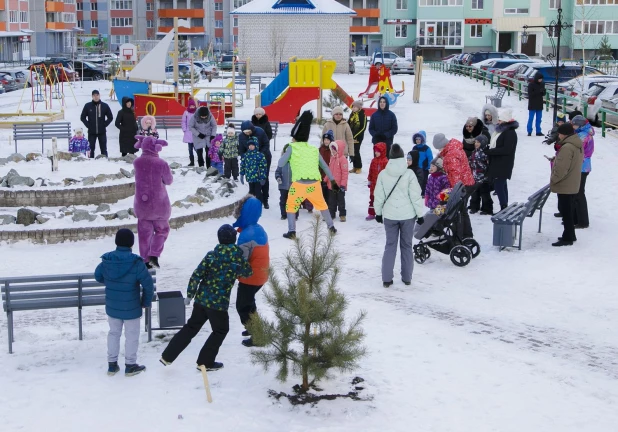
(193,11)
(54,24)
(365,32)
(15,33)
(592,20)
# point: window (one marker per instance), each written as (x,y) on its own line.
(218,24)
(440,33)
(80,6)
(555,4)
(239,3)
(235,38)
(596,27)
(598,2)
(121,39)
(94,6)
(122,22)
(68,17)
(23,16)
(512,11)
(401,31)
(69,1)
(94,24)
(401,5)
(219,41)
(122,4)
(235,21)
(149,6)
(441,2)
(13,16)
(218,6)
(149,23)
(80,24)
(477,4)
(476,31)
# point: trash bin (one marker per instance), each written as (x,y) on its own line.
(171,309)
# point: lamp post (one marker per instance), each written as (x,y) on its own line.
(554,29)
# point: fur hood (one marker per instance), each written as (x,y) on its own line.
(153,122)
(494,113)
(506,126)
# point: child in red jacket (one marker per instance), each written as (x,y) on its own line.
(339,168)
(378,163)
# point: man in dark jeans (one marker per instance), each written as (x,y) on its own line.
(96,116)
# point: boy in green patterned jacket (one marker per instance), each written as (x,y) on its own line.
(253,167)
(210,286)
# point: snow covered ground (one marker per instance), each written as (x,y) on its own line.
(516,341)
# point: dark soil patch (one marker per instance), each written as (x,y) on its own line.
(301,397)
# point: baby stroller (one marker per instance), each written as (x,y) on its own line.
(444,229)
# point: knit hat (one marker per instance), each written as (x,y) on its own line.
(95,92)
(252,141)
(566,129)
(226,234)
(125,238)
(505,115)
(191,105)
(439,141)
(578,120)
(231,130)
(259,111)
(203,111)
(302,128)
(396,152)
(439,163)
(79,130)
(357,103)
(560,117)
(471,121)
(482,139)
(330,135)
(217,138)
(337,110)
(573,114)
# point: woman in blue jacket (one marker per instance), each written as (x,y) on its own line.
(383,125)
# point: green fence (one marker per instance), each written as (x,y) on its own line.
(565,102)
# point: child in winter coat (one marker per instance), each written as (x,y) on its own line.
(327,139)
(436,183)
(229,152)
(378,163)
(188,136)
(79,144)
(283,175)
(339,168)
(213,153)
(253,168)
(419,140)
(210,286)
(552,135)
(479,162)
(148,127)
(412,159)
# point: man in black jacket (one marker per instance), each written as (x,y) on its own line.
(536,93)
(96,116)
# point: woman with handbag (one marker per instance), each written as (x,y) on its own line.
(398,204)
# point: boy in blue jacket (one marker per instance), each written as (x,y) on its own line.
(425,156)
(123,272)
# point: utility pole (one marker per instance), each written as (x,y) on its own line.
(176,57)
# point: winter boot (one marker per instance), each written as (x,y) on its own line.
(246,333)
(290,235)
(148,265)
(266,206)
(332,230)
(406,283)
(112,368)
(214,367)
(562,242)
(387,284)
(191,161)
(342,218)
(164,362)
(558,215)
(352,171)
(284,217)
(133,369)
(248,342)
(154,261)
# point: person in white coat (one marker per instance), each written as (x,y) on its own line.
(398,204)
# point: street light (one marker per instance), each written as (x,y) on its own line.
(554,29)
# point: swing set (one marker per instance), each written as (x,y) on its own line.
(47,84)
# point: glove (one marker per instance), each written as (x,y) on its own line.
(420,220)
(212,137)
(220,154)
(201,136)
(187,301)
(262,182)
(334,185)
(342,188)
(378,219)
(279,180)
(242,179)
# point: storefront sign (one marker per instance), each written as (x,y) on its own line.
(478,21)
(24,38)
(399,21)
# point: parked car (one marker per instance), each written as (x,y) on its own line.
(449,57)
(611,105)
(598,58)
(208,68)
(89,71)
(497,64)
(183,68)
(548,71)
(580,84)
(352,66)
(8,82)
(226,61)
(2,89)
(65,70)
(402,65)
(21,77)
(386,58)
(520,56)
(595,96)
(476,57)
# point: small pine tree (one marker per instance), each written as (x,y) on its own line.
(309,330)
(183,49)
(185,77)
(605,48)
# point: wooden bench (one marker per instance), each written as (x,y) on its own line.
(56,292)
(274,125)
(242,80)
(41,131)
(506,221)
(166,122)
(496,100)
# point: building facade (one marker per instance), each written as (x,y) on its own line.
(193,11)
(365,32)
(15,33)
(55,27)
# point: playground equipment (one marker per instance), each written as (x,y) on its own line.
(380,84)
(47,85)
(300,82)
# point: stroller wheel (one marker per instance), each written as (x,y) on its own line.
(460,256)
(421,253)
(473,245)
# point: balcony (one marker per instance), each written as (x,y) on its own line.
(365,29)
(54,6)
(367,13)
(59,26)
(183,30)
(3,7)
(2,26)
(181,13)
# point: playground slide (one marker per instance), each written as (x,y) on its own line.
(347,99)
(288,107)
(276,87)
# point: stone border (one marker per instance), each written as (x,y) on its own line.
(61,235)
(66,197)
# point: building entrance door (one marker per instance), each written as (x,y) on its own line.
(529,48)
(506,42)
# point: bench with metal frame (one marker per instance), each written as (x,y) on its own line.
(56,292)
(274,125)
(506,221)
(242,80)
(166,122)
(496,100)
(41,131)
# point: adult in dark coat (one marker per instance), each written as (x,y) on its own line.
(127,125)
(97,116)
(501,154)
(383,125)
(249,130)
(358,125)
(473,128)
(536,93)
(260,119)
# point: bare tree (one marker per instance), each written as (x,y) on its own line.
(278,42)
(581,34)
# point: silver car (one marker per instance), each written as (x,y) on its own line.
(402,65)
(8,82)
